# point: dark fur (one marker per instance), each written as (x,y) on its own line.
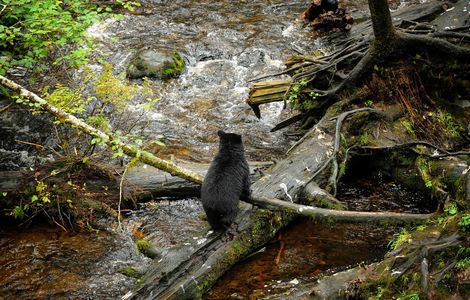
(329,5)
(226,182)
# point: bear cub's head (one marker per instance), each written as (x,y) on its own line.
(229,138)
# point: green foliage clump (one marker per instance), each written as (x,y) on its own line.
(130,272)
(400,238)
(43,195)
(66,99)
(295,99)
(448,123)
(112,90)
(464,222)
(104,108)
(31,31)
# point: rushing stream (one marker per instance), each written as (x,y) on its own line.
(224,44)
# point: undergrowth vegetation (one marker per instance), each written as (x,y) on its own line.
(32,32)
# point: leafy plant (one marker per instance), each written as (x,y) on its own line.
(105,108)
(463,263)
(448,123)
(31,31)
(399,239)
(18,211)
(451,209)
(174,68)
(295,99)
(464,222)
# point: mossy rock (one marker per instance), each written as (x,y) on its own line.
(162,64)
(147,249)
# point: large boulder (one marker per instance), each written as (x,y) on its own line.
(162,64)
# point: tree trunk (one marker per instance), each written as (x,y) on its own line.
(384,31)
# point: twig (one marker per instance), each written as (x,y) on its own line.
(3,8)
(281,249)
(451,34)
(287,71)
(339,122)
(120,195)
(6,107)
(441,274)
(29,143)
(417,143)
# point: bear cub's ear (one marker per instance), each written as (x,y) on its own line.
(220,133)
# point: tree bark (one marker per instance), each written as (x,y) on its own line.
(384,31)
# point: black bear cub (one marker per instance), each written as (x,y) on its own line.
(226,182)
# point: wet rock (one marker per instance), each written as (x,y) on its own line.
(456,16)
(23,136)
(325,15)
(15,160)
(162,64)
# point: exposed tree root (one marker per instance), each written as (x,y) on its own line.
(367,150)
(328,77)
(421,251)
(437,45)
(333,159)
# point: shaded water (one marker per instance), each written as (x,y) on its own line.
(44,262)
(381,194)
(302,253)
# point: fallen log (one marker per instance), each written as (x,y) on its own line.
(266,92)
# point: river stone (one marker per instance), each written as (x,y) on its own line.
(162,64)
(456,16)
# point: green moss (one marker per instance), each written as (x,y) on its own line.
(448,123)
(237,247)
(130,272)
(400,238)
(364,139)
(174,68)
(143,246)
(423,166)
(202,217)
(409,127)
